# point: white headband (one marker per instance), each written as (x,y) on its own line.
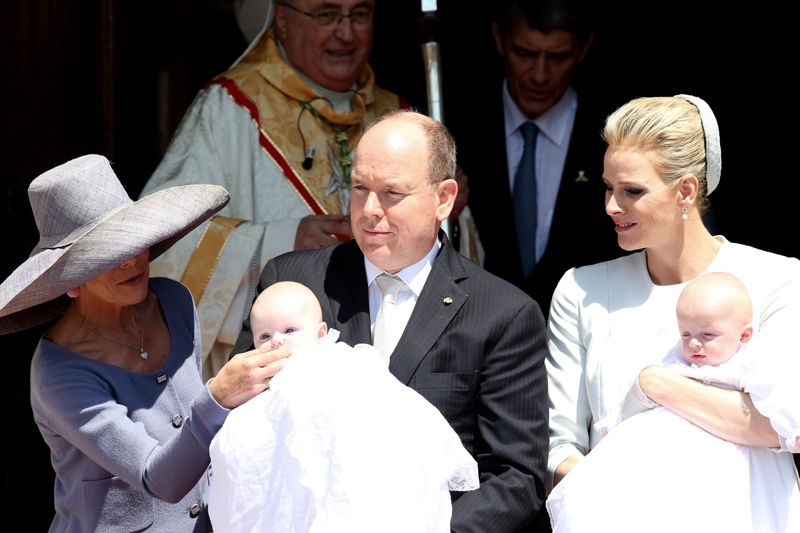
(713,149)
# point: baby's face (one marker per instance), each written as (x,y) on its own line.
(295,331)
(709,340)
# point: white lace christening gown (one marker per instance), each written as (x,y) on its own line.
(337,444)
(657,472)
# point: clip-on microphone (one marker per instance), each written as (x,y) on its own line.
(309,160)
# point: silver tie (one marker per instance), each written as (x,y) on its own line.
(388,328)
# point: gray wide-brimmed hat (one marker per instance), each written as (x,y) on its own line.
(88,225)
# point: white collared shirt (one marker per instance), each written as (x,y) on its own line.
(414,276)
(552,145)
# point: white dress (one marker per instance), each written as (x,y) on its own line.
(657,472)
(337,444)
(608,321)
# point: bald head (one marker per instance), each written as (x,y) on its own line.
(714,317)
(719,293)
(287,313)
(436,143)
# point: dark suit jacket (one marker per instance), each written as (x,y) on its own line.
(581,233)
(474,347)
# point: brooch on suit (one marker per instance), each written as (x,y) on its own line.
(581,177)
(447,300)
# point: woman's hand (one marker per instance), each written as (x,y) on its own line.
(246,375)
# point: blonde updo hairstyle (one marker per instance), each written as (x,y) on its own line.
(669,128)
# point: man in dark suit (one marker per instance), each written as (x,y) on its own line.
(541,43)
(469,342)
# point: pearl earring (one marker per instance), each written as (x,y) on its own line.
(684,212)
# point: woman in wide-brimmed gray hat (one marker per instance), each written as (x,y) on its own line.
(115,382)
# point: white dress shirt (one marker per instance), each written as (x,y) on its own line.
(552,145)
(414,276)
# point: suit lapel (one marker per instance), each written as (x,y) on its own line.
(490,192)
(346,287)
(438,304)
(581,189)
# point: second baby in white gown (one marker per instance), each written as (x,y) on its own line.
(655,471)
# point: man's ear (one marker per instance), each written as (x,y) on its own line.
(446,194)
(280,23)
(498,39)
(323,330)
(585,47)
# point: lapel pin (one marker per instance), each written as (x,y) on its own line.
(581,177)
(161,379)
(447,300)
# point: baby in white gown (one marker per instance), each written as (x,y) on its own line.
(656,471)
(336,443)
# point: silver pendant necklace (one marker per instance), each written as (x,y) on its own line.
(143,354)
